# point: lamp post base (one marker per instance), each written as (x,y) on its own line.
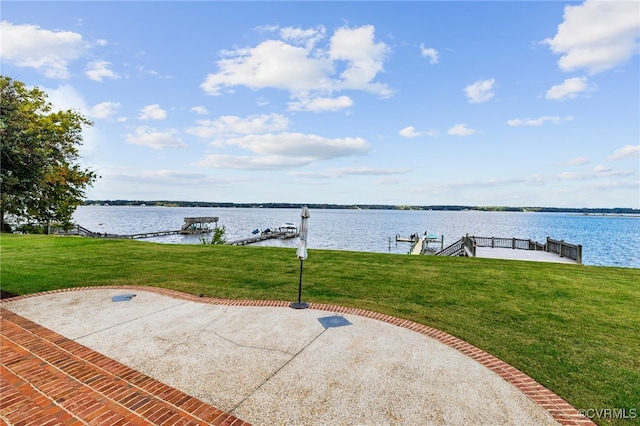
(299,305)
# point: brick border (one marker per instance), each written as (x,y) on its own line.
(563,412)
(48,379)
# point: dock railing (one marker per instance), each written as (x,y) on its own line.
(512,243)
(561,248)
(455,249)
(571,251)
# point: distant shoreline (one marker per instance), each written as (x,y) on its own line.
(617,211)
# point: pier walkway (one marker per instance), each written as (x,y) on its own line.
(191,226)
(257,238)
(417,248)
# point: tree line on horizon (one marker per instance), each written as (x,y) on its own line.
(273,205)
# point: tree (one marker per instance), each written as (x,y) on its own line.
(218,236)
(40,180)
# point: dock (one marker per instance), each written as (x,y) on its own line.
(422,243)
(532,255)
(254,239)
(282,233)
(191,226)
(557,251)
(417,247)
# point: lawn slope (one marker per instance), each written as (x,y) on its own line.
(573,328)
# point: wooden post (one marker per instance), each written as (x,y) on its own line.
(579,254)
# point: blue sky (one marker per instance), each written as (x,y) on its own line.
(419,103)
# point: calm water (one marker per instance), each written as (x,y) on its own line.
(606,240)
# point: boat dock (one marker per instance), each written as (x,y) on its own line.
(191,226)
(515,249)
(422,243)
(532,255)
(417,247)
(284,232)
(255,239)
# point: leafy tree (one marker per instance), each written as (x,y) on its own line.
(40,179)
(218,237)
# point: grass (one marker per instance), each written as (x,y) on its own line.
(573,328)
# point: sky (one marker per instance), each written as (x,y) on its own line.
(497,103)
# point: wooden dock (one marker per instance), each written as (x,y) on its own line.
(150,234)
(191,226)
(515,249)
(421,243)
(532,255)
(253,239)
(417,247)
(262,237)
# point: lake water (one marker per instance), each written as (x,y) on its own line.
(606,240)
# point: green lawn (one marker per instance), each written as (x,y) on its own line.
(573,328)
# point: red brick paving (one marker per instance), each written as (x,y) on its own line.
(47,379)
(50,380)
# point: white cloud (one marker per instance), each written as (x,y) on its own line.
(597,35)
(538,121)
(103,110)
(480,91)
(569,89)
(578,161)
(231,125)
(410,132)
(99,70)
(600,174)
(200,110)
(152,112)
(282,151)
(368,171)
(597,173)
(387,181)
(267,162)
(49,52)
(430,53)
(363,56)
(66,97)
(159,177)
(307,38)
(461,130)
(299,145)
(272,63)
(264,136)
(321,104)
(297,65)
(155,139)
(600,169)
(350,171)
(627,151)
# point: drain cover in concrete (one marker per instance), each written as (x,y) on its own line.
(333,321)
(122,297)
